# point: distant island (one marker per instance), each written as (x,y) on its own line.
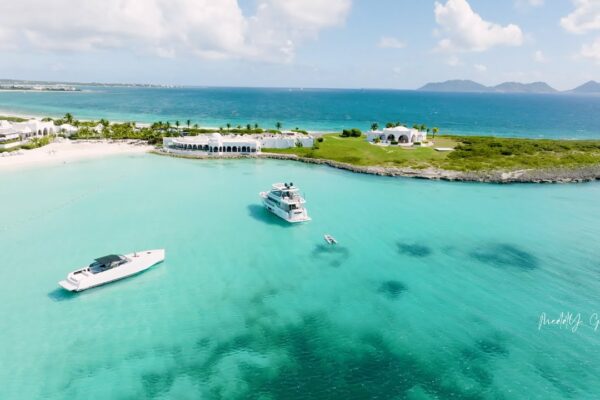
(506,87)
(19,84)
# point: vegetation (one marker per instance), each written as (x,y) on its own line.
(12,119)
(354,132)
(470,154)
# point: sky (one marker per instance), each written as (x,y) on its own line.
(396,44)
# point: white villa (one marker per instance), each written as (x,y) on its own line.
(218,144)
(13,134)
(399,134)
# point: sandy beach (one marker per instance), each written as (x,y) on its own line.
(65,151)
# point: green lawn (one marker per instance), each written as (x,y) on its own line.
(470,154)
(358,151)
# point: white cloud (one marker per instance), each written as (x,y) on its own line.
(388,42)
(453,61)
(585,17)
(539,56)
(207,28)
(591,51)
(480,67)
(465,30)
(529,3)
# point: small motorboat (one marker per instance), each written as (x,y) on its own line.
(111,268)
(330,239)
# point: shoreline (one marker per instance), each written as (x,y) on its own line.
(556,175)
(68,151)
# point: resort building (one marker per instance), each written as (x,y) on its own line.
(218,144)
(398,134)
(13,134)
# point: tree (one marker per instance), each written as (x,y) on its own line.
(228,126)
(188,123)
(68,118)
(248,127)
(278,125)
(416,126)
(422,127)
(389,125)
(177,124)
(104,122)
(255,126)
(374,126)
(195,126)
(398,123)
(435,131)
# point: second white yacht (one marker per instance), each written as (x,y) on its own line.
(111,268)
(285,201)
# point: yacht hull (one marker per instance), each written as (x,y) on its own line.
(290,216)
(81,279)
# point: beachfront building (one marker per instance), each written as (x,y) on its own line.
(217,144)
(13,134)
(397,134)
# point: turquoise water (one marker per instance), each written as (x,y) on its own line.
(548,116)
(435,290)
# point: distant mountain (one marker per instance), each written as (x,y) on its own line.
(516,87)
(588,87)
(455,86)
(470,86)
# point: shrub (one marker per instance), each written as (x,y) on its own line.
(320,139)
(393,142)
(377,140)
(354,132)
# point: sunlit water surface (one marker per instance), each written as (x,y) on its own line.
(434,291)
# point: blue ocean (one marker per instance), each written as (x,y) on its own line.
(436,290)
(512,115)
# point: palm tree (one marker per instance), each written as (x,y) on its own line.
(188,123)
(435,131)
(177,124)
(248,127)
(195,126)
(416,126)
(374,126)
(104,122)
(398,123)
(278,125)
(255,126)
(68,118)
(422,127)
(228,126)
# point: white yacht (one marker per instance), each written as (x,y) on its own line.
(284,200)
(111,268)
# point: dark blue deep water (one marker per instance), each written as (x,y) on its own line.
(519,115)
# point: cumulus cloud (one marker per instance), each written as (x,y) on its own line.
(388,42)
(206,28)
(465,30)
(585,17)
(591,51)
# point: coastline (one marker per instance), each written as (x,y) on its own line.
(555,175)
(67,151)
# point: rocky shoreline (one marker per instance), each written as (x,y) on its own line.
(554,175)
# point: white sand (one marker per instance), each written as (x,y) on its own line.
(65,151)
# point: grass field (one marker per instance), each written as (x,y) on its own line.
(475,153)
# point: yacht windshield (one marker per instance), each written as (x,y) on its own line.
(105,263)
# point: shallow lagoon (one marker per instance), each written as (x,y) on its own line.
(435,289)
